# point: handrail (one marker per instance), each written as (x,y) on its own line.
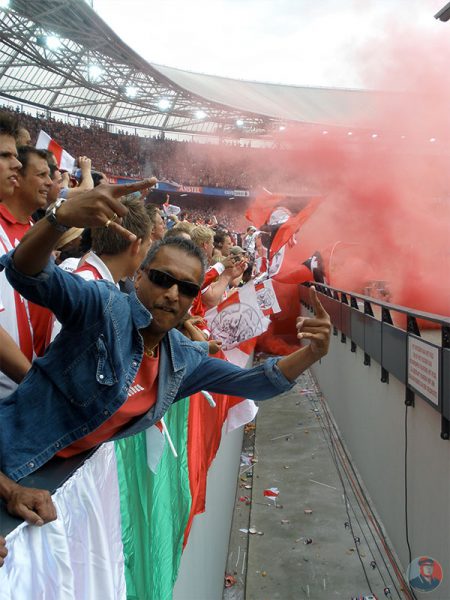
(399,351)
(395,307)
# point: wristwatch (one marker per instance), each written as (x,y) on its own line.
(50,215)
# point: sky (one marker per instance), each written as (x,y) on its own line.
(296,42)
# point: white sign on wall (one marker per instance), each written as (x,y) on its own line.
(423,368)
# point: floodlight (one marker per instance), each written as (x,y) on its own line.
(374,136)
(324,132)
(240,123)
(131,91)
(200,114)
(52,42)
(433,139)
(444,13)
(4,4)
(164,104)
(349,133)
(94,72)
(282,127)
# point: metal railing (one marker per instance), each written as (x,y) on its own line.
(396,343)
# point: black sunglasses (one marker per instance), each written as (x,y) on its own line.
(166,281)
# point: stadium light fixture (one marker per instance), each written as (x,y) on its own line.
(282,127)
(94,72)
(374,136)
(164,104)
(240,123)
(4,4)
(200,114)
(53,42)
(131,91)
(444,13)
(324,132)
(432,140)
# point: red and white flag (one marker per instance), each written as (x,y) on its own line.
(64,159)
(267,298)
(238,318)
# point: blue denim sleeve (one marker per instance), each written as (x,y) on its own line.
(68,296)
(215,375)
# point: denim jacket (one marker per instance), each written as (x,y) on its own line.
(85,374)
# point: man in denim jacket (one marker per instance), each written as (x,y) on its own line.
(84,379)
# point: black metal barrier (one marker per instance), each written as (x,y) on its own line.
(422,365)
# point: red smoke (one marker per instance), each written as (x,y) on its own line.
(386,214)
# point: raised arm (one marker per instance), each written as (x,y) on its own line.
(317,331)
(99,207)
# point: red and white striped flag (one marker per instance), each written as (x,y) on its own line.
(64,159)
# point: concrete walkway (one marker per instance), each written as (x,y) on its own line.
(307,542)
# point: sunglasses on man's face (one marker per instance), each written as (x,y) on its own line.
(166,281)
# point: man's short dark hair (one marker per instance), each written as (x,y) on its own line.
(106,240)
(182,244)
(24,153)
(219,237)
(8,125)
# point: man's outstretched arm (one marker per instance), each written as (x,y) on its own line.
(32,505)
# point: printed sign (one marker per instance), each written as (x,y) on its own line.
(423,368)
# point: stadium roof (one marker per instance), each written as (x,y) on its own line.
(60,55)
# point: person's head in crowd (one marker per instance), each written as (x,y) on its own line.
(251,230)
(69,245)
(98,178)
(34,181)
(158,225)
(23,137)
(238,252)
(184,226)
(112,247)
(203,237)
(168,281)
(55,176)
(9,165)
(222,242)
(171,233)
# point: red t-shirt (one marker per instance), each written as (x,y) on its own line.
(141,397)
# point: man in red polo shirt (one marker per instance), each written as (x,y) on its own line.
(26,324)
(31,504)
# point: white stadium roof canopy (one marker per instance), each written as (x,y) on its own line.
(60,55)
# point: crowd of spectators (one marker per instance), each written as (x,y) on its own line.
(225,165)
(66,344)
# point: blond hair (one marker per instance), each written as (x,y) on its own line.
(201,234)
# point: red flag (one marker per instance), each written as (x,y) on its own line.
(293,224)
(259,211)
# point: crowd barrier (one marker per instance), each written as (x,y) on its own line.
(121,527)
